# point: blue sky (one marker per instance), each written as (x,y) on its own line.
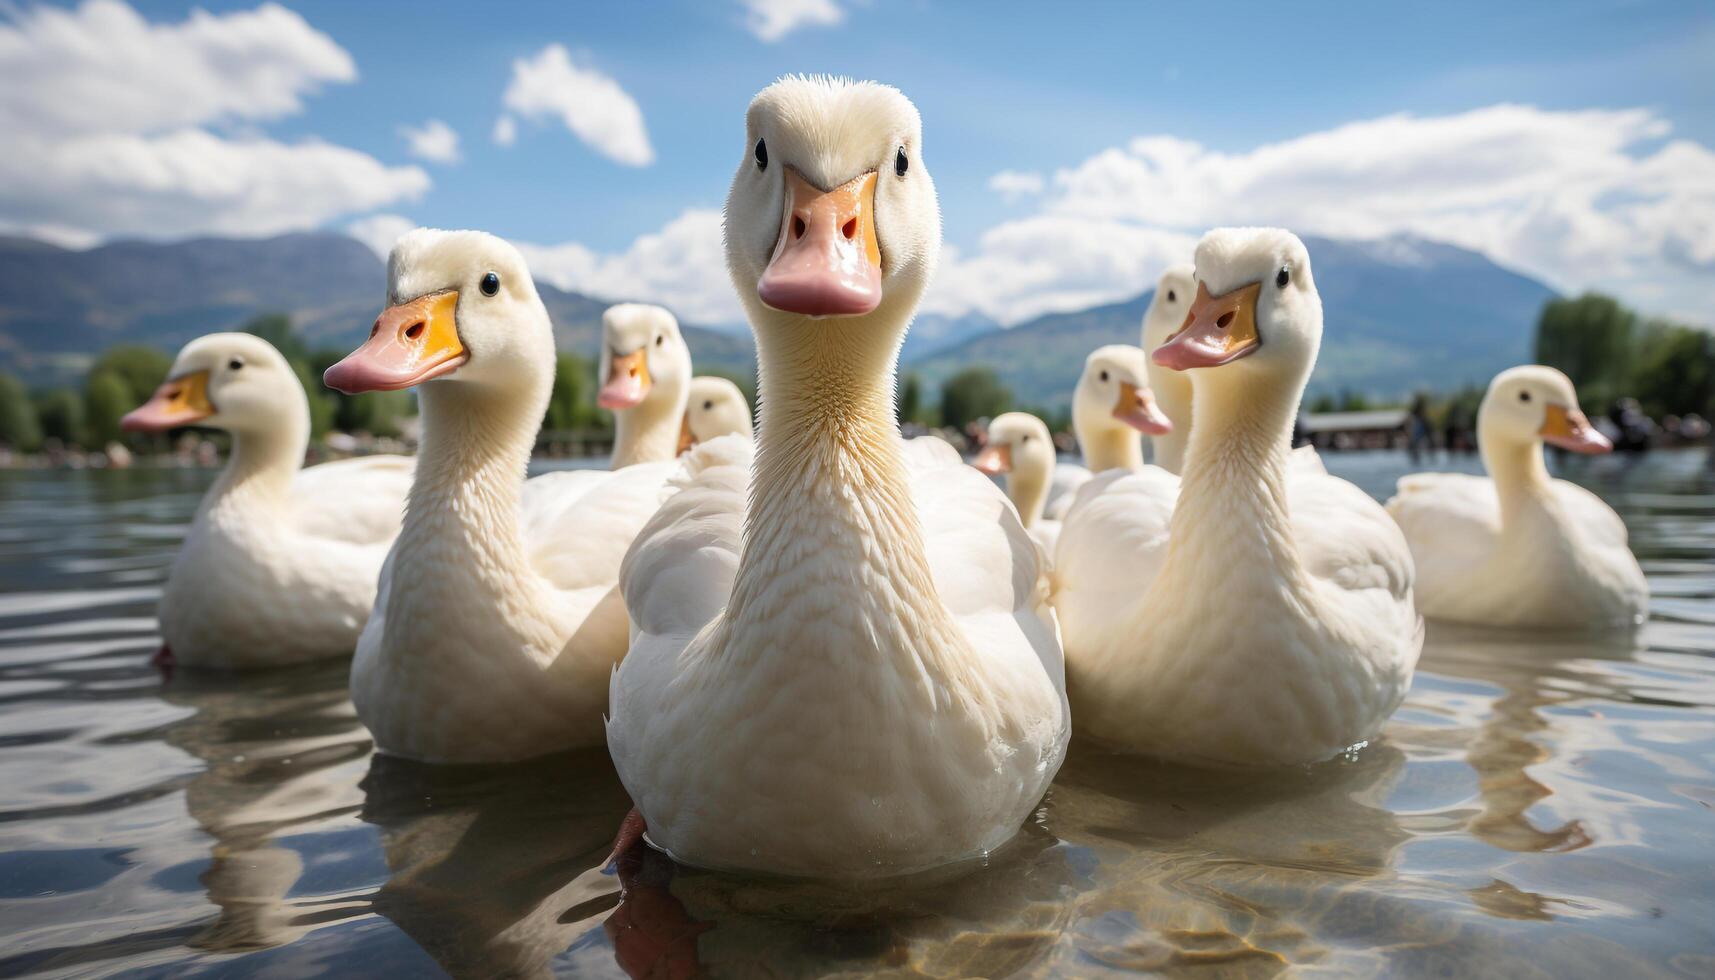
(1270,112)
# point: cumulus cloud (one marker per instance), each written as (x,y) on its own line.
(380,231)
(682,266)
(1016,184)
(434,141)
(108,120)
(551,86)
(771,20)
(505,131)
(1597,198)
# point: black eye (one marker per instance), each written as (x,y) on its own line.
(490,284)
(235,363)
(660,339)
(1172,297)
(1524,396)
(1104,376)
(1025,439)
(1283,277)
(708,405)
(762,154)
(900,162)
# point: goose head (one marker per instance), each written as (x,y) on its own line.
(1113,395)
(1256,315)
(716,408)
(1166,313)
(462,310)
(832,218)
(1532,403)
(231,381)
(643,357)
(1017,442)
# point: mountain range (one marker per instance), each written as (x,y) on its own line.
(1401,313)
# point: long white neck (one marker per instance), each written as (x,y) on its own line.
(1109,446)
(832,535)
(649,432)
(264,460)
(461,519)
(1173,395)
(1027,485)
(1231,529)
(1518,469)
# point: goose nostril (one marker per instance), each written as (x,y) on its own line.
(1225,320)
(849,229)
(375,329)
(797,227)
(415,330)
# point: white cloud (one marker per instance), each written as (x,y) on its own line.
(105,116)
(1016,184)
(682,266)
(771,20)
(590,104)
(434,141)
(380,231)
(1581,199)
(505,131)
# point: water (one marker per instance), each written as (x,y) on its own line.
(1539,807)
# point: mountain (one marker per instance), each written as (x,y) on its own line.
(59,307)
(931,332)
(1400,314)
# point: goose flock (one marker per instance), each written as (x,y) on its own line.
(819,648)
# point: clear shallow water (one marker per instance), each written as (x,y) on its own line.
(1540,806)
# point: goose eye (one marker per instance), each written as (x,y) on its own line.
(660,339)
(708,405)
(762,154)
(1025,439)
(490,284)
(901,163)
(1524,396)
(1172,297)
(1283,277)
(235,363)
(1104,376)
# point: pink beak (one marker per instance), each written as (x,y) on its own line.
(627,381)
(1137,408)
(994,459)
(826,261)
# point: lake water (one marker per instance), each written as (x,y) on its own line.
(1539,807)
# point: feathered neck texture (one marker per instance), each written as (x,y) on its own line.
(1518,469)
(1231,527)
(1028,487)
(649,433)
(264,461)
(1111,447)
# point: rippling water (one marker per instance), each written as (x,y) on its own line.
(1541,806)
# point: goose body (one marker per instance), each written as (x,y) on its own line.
(1519,548)
(280,561)
(843,663)
(498,618)
(1257,611)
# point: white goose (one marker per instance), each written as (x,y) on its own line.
(1520,548)
(648,378)
(716,408)
(1112,409)
(498,618)
(1020,447)
(1261,620)
(279,564)
(1166,313)
(857,673)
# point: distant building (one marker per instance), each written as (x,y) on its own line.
(1379,429)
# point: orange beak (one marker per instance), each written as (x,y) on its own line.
(1569,429)
(410,343)
(1217,330)
(687,438)
(628,381)
(827,261)
(1136,407)
(178,401)
(995,459)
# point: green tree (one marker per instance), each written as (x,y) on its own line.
(377,412)
(1590,338)
(973,393)
(1674,370)
(106,397)
(276,329)
(60,413)
(911,399)
(140,370)
(571,403)
(18,426)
